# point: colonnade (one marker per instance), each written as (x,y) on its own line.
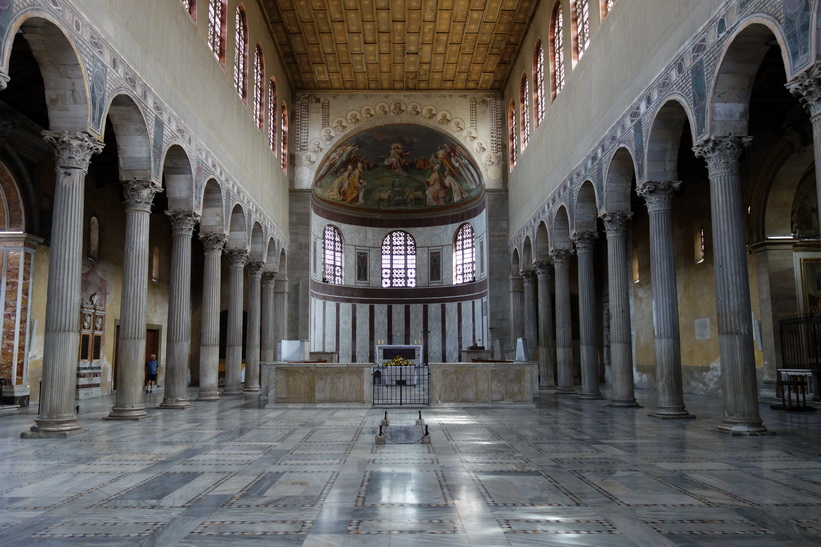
(57,416)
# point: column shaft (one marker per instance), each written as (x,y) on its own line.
(585,245)
(621,331)
(735,333)
(670,394)
(179,310)
(233,339)
(57,417)
(210,334)
(547,345)
(252,336)
(267,343)
(517,299)
(128,402)
(529,305)
(564,330)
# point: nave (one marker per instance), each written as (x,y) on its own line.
(564,471)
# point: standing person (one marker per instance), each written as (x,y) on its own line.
(151,367)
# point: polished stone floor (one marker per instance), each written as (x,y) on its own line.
(562,472)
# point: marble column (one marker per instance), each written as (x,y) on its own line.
(807,87)
(233,339)
(735,330)
(564,330)
(128,402)
(530,309)
(252,334)
(669,391)
(179,310)
(213,242)
(621,331)
(517,299)
(585,246)
(267,344)
(280,308)
(57,417)
(547,345)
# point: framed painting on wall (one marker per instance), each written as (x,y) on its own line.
(811,283)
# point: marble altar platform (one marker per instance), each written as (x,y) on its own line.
(560,472)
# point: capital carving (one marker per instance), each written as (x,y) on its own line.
(807,88)
(182,222)
(585,241)
(616,224)
(213,241)
(561,257)
(254,267)
(73,151)
(543,267)
(658,194)
(722,153)
(236,257)
(139,194)
(268,279)
(528,276)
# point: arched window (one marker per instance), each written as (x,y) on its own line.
(464,255)
(191,7)
(524,105)
(512,134)
(557,50)
(332,256)
(283,139)
(216,28)
(259,88)
(272,115)
(538,82)
(606,6)
(241,54)
(581,20)
(398,260)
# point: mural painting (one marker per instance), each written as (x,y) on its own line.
(401,166)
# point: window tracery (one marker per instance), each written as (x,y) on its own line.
(272,115)
(524,102)
(259,79)
(557,49)
(216,29)
(512,133)
(283,139)
(464,255)
(332,256)
(398,260)
(241,54)
(538,82)
(581,10)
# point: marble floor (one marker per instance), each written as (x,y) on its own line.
(561,472)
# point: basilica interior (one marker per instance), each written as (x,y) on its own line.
(592,223)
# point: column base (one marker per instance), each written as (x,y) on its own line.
(130,414)
(179,404)
(744,428)
(232,393)
(565,391)
(672,415)
(38,433)
(624,404)
(251,389)
(590,396)
(208,396)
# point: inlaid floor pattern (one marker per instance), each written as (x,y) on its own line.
(562,471)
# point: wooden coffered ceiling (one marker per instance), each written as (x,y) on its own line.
(398,44)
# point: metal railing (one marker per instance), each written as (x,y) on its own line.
(801,343)
(399,385)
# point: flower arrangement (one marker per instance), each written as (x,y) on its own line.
(398,362)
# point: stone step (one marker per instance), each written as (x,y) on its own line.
(5,409)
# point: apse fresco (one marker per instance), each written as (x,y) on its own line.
(400,166)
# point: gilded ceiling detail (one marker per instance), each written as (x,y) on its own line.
(398,44)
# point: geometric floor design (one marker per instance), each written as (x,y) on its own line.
(560,472)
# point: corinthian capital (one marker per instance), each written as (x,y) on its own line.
(254,267)
(213,241)
(561,257)
(237,257)
(182,222)
(543,267)
(73,151)
(585,241)
(139,194)
(268,279)
(722,153)
(807,88)
(616,224)
(528,276)
(658,194)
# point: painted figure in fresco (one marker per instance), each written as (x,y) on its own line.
(458,192)
(383,111)
(395,160)
(368,112)
(445,155)
(339,125)
(355,184)
(457,126)
(443,118)
(339,185)
(413,109)
(397,108)
(353,118)
(327,135)
(436,188)
(430,113)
